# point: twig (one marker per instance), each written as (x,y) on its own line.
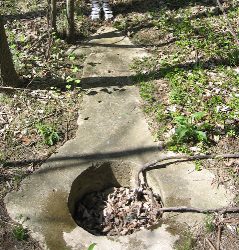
(219,236)
(181,157)
(222,210)
(210,243)
(230,28)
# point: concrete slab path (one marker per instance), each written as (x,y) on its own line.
(111,127)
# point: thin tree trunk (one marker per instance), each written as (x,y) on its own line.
(70,32)
(52,14)
(7,70)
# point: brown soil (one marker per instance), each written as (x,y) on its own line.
(7,239)
(22,155)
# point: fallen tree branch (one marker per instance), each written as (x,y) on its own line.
(181,157)
(222,210)
(210,244)
(219,237)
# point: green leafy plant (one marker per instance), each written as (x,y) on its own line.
(178,148)
(71,80)
(20,233)
(72,57)
(187,129)
(198,165)
(91,247)
(147,91)
(49,134)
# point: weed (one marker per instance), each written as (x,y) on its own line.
(198,165)
(20,233)
(72,56)
(120,25)
(71,81)
(178,148)
(92,246)
(186,242)
(209,224)
(187,130)
(147,91)
(49,134)
(18,177)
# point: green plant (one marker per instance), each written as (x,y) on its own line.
(91,247)
(20,233)
(72,56)
(209,224)
(178,148)
(198,165)
(49,134)
(71,79)
(186,242)
(147,91)
(187,129)
(231,133)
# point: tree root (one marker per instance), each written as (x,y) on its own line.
(180,157)
(222,210)
(152,164)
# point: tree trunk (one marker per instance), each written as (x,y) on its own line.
(7,70)
(52,14)
(70,32)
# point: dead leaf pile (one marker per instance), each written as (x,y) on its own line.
(117,211)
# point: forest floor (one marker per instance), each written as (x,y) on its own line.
(189,86)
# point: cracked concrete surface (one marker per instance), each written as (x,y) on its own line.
(111,127)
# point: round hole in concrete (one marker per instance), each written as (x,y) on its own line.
(95,197)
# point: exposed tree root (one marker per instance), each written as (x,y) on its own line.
(180,157)
(152,164)
(222,210)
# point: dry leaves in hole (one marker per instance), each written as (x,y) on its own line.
(117,211)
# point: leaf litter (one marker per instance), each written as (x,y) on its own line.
(118,211)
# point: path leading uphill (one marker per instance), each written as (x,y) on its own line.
(112,127)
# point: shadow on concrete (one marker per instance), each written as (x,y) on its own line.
(108,45)
(111,34)
(108,35)
(67,161)
(95,82)
(88,43)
